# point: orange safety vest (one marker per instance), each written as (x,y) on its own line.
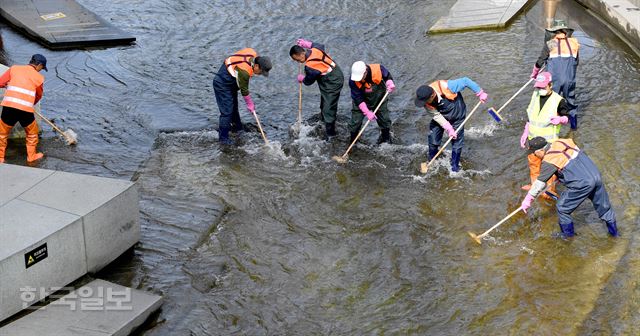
(21,89)
(319,60)
(376,77)
(440,90)
(242,59)
(569,48)
(561,152)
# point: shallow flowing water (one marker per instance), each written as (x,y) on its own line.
(282,240)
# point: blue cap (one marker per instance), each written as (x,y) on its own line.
(39,59)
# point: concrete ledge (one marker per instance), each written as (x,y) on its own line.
(25,227)
(14,182)
(86,222)
(108,207)
(623,16)
(99,308)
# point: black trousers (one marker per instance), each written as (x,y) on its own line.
(11,116)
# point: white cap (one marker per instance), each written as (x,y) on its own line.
(357,71)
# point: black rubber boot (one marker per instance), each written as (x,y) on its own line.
(331,129)
(237,128)
(223,137)
(455,160)
(385,136)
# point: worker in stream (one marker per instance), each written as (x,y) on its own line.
(24,88)
(580,176)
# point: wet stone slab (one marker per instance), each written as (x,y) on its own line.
(478,14)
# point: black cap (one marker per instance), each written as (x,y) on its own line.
(536,143)
(39,59)
(265,64)
(423,93)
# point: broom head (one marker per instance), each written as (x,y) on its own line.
(340,159)
(424,167)
(70,137)
(492,112)
(475,238)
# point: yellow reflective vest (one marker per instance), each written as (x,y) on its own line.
(540,118)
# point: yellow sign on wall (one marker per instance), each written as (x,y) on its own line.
(53,16)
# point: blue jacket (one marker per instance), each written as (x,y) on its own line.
(456,109)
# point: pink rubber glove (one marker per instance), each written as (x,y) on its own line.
(535,71)
(367,113)
(250,106)
(390,86)
(559,120)
(525,135)
(482,95)
(304,43)
(300,78)
(526,203)
(452,133)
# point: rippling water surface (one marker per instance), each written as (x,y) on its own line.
(284,241)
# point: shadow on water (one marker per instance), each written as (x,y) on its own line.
(283,240)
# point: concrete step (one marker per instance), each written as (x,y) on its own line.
(99,308)
(55,227)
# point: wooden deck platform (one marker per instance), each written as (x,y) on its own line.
(479,14)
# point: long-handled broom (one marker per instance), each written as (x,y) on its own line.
(424,167)
(264,137)
(478,238)
(345,156)
(496,114)
(69,136)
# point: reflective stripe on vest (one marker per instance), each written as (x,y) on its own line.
(21,88)
(320,61)
(561,152)
(31,93)
(540,119)
(376,76)
(243,59)
(569,48)
(18,101)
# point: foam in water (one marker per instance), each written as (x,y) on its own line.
(444,162)
(310,147)
(480,132)
(526,249)
(272,150)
